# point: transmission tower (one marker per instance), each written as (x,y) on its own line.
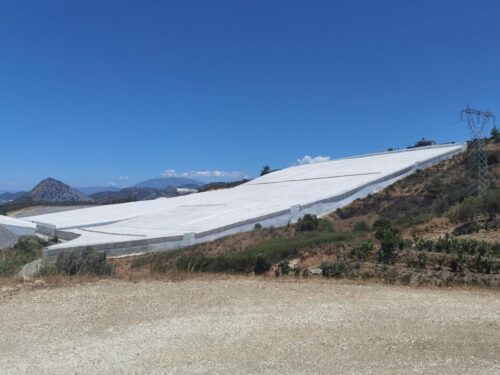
(479,122)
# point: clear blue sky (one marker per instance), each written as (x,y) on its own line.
(100,92)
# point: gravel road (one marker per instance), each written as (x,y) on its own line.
(248,326)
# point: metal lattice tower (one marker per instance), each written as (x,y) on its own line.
(479,122)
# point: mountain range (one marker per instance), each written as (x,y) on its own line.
(8,197)
(163,183)
(132,194)
(52,191)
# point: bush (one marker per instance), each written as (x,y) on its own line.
(492,159)
(275,250)
(495,135)
(465,211)
(456,194)
(390,242)
(88,262)
(440,206)
(380,224)
(307,223)
(325,225)
(284,267)
(361,226)
(26,250)
(257,226)
(262,265)
(422,260)
(337,269)
(361,251)
(491,203)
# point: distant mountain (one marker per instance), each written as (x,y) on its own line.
(7,197)
(88,190)
(221,185)
(53,191)
(132,194)
(168,182)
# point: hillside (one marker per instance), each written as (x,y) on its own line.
(8,197)
(410,233)
(51,190)
(168,182)
(132,194)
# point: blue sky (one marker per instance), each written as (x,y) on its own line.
(114,92)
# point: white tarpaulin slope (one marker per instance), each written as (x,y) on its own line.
(273,199)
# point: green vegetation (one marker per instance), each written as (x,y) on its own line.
(265,170)
(88,262)
(273,250)
(361,226)
(336,269)
(26,250)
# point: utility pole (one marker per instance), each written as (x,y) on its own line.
(479,122)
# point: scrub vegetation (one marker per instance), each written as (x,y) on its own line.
(26,250)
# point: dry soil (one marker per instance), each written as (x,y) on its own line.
(248,326)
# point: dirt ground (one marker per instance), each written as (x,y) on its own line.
(247,325)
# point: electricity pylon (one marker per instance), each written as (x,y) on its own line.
(479,122)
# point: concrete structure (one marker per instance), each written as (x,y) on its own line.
(17,226)
(271,200)
(11,229)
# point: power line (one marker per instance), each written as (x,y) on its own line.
(479,122)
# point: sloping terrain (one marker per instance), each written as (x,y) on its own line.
(273,199)
(404,234)
(167,182)
(52,191)
(132,194)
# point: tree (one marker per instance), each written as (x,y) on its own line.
(307,223)
(262,264)
(265,170)
(495,135)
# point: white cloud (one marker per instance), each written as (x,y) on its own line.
(311,160)
(123,178)
(204,174)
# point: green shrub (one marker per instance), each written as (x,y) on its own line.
(88,262)
(284,267)
(262,265)
(492,159)
(257,226)
(336,269)
(26,250)
(325,225)
(307,223)
(380,225)
(275,250)
(490,203)
(440,206)
(390,243)
(465,211)
(361,251)
(421,260)
(361,226)
(456,194)
(410,262)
